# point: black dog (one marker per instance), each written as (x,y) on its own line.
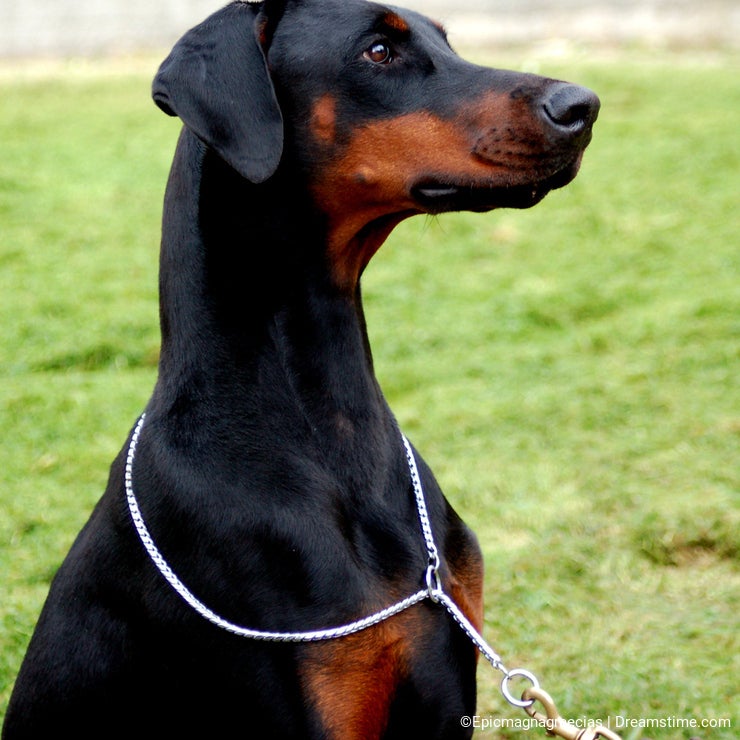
(270,471)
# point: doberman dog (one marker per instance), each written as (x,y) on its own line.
(270,471)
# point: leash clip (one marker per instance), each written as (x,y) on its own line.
(556,725)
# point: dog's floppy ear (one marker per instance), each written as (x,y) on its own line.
(216,80)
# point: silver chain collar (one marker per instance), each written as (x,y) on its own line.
(433,591)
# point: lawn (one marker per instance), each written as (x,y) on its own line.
(570,372)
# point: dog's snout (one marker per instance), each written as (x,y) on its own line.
(570,108)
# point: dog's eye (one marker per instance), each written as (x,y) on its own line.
(379,53)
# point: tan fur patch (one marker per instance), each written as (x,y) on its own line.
(351,682)
(323,119)
(394,21)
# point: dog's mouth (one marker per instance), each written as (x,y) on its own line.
(436,195)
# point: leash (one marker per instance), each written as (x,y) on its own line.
(434,591)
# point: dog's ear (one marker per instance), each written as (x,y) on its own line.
(217,81)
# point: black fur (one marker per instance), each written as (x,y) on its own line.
(270,469)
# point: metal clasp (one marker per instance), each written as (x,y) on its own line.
(556,725)
(434,583)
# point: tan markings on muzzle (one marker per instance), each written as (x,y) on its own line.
(486,144)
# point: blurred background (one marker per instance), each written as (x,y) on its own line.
(89,27)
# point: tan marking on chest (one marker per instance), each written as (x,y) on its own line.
(351,682)
(466,580)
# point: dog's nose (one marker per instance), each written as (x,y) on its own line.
(570,108)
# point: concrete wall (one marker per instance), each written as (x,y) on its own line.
(89,27)
(84,27)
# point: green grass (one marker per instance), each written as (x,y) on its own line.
(571,373)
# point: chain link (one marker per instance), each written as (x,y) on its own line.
(187,595)
(421,506)
(433,591)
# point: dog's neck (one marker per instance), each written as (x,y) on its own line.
(247,302)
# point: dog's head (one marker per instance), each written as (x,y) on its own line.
(370,103)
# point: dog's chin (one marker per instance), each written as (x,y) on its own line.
(435,195)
